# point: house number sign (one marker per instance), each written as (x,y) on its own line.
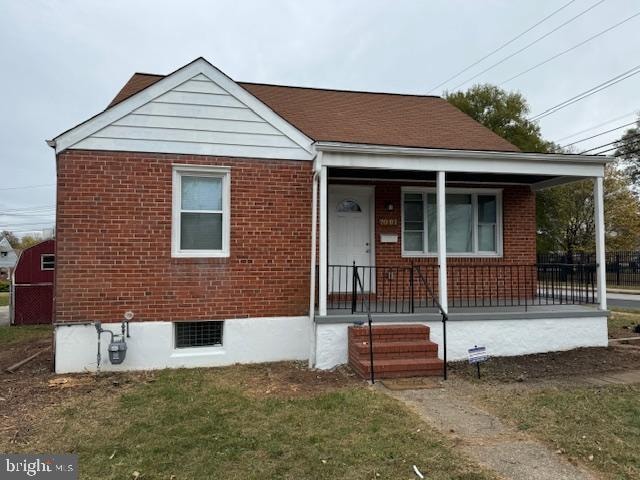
(388,222)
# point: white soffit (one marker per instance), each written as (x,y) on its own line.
(419,159)
(195,110)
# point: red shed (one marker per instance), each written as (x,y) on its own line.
(32,299)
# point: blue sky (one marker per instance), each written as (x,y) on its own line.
(63,61)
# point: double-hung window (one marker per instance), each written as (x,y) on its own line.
(473,221)
(201,199)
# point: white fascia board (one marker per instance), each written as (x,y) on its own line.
(420,159)
(198,66)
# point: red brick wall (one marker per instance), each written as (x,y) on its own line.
(114,241)
(511,276)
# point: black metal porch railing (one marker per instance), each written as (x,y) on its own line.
(414,288)
(393,289)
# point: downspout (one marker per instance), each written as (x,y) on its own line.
(314,229)
(53,144)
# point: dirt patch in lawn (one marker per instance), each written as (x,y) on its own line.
(623,324)
(283,379)
(569,365)
(27,395)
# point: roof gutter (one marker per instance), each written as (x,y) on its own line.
(360,148)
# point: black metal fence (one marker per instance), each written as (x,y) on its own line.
(414,288)
(623,267)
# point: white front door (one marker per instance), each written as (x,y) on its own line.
(350,212)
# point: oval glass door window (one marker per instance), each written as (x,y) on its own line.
(348,206)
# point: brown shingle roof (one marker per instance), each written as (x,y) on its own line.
(364,117)
(137,82)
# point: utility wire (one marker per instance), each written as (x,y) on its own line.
(18,225)
(615,148)
(570,48)
(633,112)
(30,215)
(635,135)
(502,46)
(587,93)
(599,134)
(529,44)
(32,230)
(28,186)
(30,209)
(628,153)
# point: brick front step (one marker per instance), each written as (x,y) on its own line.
(385,334)
(393,330)
(398,351)
(396,368)
(388,350)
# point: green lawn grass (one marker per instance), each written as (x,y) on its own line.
(4,299)
(199,424)
(11,335)
(599,426)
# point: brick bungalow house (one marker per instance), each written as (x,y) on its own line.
(244,222)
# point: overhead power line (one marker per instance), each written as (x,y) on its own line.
(628,153)
(611,120)
(587,93)
(530,44)
(29,209)
(33,230)
(29,186)
(45,214)
(502,46)
(18,225)
(599,134)
(579,44)
(603,152)
(635,135)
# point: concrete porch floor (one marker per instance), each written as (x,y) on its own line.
(463,313)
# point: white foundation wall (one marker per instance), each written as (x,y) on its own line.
(501,337)
(151,345)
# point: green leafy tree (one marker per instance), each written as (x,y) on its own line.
(628,150)
(565,214)
(29,240)
(503,112)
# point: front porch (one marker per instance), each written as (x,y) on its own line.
(412,236)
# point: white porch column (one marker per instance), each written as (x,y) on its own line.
(598,200)
(323,265)
(442,240)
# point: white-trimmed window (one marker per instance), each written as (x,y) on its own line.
(473,220)
(201,205)
(47,261)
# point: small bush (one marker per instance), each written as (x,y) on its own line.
(4,285)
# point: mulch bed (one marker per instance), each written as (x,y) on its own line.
(570,364)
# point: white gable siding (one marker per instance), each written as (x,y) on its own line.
(196,117)
(8,257)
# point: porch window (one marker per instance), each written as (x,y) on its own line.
(200,212)
(473,220)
